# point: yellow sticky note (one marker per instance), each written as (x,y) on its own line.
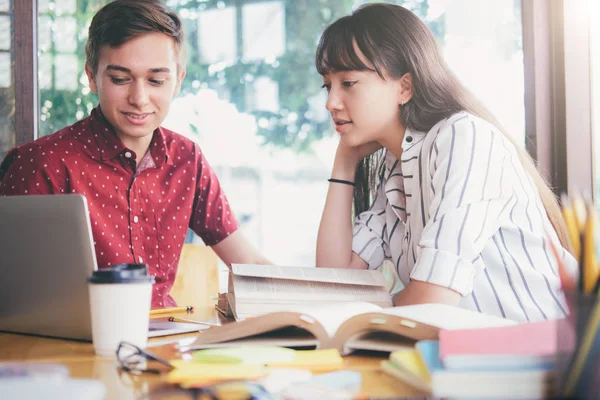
(410,361)
(315,360)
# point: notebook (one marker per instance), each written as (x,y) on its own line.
(524,345)
(408,366)
(518,383)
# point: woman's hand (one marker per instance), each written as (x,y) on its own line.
(347,158)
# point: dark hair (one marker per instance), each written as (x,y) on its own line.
(122,20)
(396,41)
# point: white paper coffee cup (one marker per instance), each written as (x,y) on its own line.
(120,301)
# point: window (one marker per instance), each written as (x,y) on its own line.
(253,100)
(64,92)
(7,93)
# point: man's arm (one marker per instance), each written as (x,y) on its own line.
(235,249)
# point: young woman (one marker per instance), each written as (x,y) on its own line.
(459,209)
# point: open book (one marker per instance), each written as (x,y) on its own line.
(261,289)
(346,327)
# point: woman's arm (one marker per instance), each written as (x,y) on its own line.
(417,292)
(334,240)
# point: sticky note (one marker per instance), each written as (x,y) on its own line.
(251,355)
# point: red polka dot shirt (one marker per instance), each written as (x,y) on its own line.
(138,214)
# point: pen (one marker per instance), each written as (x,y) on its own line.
(191,321)
(171,310)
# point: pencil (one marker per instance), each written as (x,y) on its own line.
(191,321)
(171,310)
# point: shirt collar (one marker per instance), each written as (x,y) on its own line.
(411,139)
(410,147)
(104,144)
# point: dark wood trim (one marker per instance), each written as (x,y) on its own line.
(558,95)
(537,73)
(543,56)
(25,70)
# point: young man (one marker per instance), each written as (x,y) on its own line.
(144,184)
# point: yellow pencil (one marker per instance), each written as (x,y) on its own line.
(171,310)
(572,227)
(590,270)
(191,321)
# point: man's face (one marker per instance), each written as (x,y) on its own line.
(136,83)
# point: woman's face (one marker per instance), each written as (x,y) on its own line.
(363,106)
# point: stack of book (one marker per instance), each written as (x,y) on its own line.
(515,362)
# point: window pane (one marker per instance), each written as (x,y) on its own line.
(222,21)
(482,43)
(253,100)
(62,32)
(7,94)
(264,30)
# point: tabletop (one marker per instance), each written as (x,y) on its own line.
(79,357)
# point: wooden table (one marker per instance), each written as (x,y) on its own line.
(79,357)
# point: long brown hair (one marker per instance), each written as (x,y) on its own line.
(122,20)
(395,40)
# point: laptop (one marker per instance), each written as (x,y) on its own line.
(47,254)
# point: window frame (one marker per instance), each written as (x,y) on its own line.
(25,22)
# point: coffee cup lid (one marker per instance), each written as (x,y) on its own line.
(122,273)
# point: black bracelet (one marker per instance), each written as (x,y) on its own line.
(341,181)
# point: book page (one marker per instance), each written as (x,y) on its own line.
(378,341)
(331,316)
(333,275)
(444,316)
(269,290)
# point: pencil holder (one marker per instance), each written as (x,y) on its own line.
(578,343)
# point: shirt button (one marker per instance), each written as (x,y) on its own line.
(128,154)
(409,139)
(140,259)
(135,219)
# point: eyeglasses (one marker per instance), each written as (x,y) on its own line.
(135,360)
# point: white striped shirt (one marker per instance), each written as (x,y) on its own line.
(459,210)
